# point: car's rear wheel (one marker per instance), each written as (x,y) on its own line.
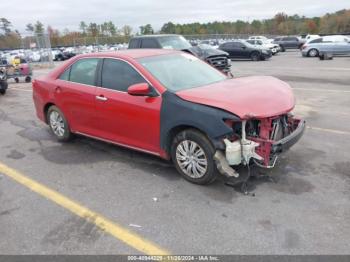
(4,86)
(255,56)
(58,124)
(192,154)
(283,49)
(313,52)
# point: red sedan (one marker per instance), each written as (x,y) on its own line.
(173,105)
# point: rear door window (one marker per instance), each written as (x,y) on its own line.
(84,71)
(65,75)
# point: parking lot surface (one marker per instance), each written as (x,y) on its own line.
(305,210)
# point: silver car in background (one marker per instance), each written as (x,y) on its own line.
(335,45)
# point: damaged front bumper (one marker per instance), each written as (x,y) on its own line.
(261,144)
(288,141)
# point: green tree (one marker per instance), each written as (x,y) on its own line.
(146,30)
(93,29)
(126,29)
(30,28)
(83,27)
(5,25)
(111,28)
(38,27)
(168,28)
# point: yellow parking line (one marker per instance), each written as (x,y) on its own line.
(329,130)
(103,223)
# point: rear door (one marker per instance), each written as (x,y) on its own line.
(75,94)
(237,49)
(122,118)
(291,42)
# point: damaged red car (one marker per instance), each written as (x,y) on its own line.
(173,105)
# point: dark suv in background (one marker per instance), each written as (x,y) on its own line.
(288,42)
(242,49)
(217,58)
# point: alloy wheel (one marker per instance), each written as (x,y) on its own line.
(57,124)
(191,159)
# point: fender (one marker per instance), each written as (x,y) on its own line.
(176,112)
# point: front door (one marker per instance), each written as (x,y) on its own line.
(122,118)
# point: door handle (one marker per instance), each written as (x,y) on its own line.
(101,98)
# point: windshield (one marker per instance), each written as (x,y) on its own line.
(174,42)
(181,71)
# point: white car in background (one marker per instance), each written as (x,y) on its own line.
(260,43)
(34,56)
(258,37)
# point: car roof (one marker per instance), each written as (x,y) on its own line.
(133,53)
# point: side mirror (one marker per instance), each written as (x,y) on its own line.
(141,89)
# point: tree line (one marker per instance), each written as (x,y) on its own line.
(280,24)
(88,33)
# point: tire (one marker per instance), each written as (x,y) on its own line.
(58,124)
(17,80)
(255,56)
(3,89)
(28,79)
(206,172)
(313,53)
(282,48)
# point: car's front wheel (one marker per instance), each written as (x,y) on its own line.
(192,154)
(58,124)
(313,53)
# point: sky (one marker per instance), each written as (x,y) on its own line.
(61,14)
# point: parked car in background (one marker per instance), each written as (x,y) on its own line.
(58,55)
(331,45)
(258,37)
(243,50)
(288,42)
(265,44)
(173,105)
(216,58)
(3,79)
(307,38)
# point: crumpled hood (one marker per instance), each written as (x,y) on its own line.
(207,52)
(246,97)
